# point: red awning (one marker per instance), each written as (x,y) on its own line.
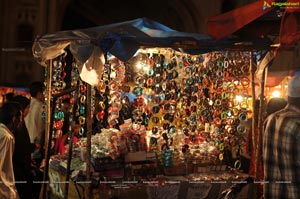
(223,25)
(290,24)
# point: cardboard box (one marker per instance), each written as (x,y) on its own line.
(139,156)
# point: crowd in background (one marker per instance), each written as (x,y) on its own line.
(22,133)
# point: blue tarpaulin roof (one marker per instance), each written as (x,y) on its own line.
(125,38)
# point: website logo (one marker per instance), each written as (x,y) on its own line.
(293,5)
(266,5)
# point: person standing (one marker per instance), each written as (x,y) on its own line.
(10,120)
(275,104)
(34,121)
(22,153)
(281,148)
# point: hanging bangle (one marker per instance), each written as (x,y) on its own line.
(102,105)
(245,82)
(221,156)
(237,164)
(82,99)
(81,120)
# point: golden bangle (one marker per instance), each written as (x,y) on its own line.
(82,99)
(218,102)
(81,120)
(224,95)
(221,156)
(223,115)
(237,164)
(221,147)
(102,105)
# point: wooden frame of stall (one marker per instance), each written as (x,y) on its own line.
(61,42)
(50,100)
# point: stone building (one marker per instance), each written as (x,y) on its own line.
(22,20)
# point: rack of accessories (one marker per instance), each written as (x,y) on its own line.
(67,98)
(161,113)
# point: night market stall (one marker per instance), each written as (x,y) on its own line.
(157,110)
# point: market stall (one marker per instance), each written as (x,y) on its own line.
(163,104)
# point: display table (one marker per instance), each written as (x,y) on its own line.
(209,185)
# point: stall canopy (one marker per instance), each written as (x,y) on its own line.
(123,40)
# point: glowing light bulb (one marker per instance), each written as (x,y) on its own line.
(276,93)
(139,66)
(239,98)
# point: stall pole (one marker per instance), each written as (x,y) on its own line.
(260,125)
(258,155)
(87,190)
(254,110)
(47,126)
(253,102)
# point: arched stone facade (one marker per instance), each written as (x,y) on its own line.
(23,20)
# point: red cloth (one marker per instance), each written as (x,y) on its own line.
(60,146)
(222,25)
(290,25)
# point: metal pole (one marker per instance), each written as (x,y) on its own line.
(258,154)
(89,137)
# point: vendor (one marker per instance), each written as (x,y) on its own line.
(63,140)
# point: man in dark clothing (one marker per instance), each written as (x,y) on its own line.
(22,154)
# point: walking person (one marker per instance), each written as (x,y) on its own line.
(36,130)
(34,121)
(281,148)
